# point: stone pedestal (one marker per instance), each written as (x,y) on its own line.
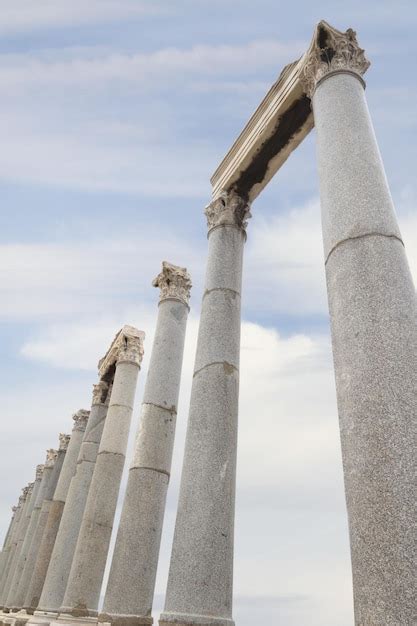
(56,510)
(21,559)
(373,313)
(87,571)
(201,571)
(30,547)
(66,540)
(130,589)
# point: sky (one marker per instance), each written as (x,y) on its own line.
(113,116)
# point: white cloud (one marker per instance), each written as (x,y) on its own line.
(30,15)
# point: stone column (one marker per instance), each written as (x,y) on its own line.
(31,548)
(23,524)
(56,509)
(201,572)
(11,598)
(4,551)
(373,313)
(4,583)
(44,514)
(130,589)
(87,571)
(66,540)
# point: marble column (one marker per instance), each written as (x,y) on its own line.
(66,540)
(30,549)
(6,542)
(130,589)
(11,601)
(87,570)
(200,580)
(5,580)
(23,524)
(373,312)
(55,512)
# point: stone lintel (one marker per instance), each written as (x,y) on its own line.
(277,127)
(127,345)
(284,117)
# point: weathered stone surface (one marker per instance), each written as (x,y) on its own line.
(87,570)
(66,540)
(200,580)
(373,313)
(56,509)
(130,589)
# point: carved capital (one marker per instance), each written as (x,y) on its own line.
(126,346)
(331,51)
(100,392)
(174,283)
(30,488)
(80,419)
(51,456)
(14,509)
(228,209)
(64,441)
(39,471)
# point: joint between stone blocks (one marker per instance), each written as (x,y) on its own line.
(150,469)
(229,367)
(364,236)
(208,291)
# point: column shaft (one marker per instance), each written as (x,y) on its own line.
(61,559)
(10,553)
(21,561)
(84,584)
(201,572)
(29,548)
(130,589)
(56,510)
(373,313)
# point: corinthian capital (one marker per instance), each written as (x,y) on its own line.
(174,283)
(39,471)
(228,209)
(51,456)
(64,441)
(100,392)
(126,346)
(331,51)
(80,419)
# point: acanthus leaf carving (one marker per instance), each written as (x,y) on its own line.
(331,51)
(229,208)
(80,419)
(174,282)
(100,392)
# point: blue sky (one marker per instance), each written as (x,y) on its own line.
(113,116)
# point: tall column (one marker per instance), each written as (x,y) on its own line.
(20,535)
(87,571)
(66,540)
(130,589)
(201,572)
(6,542)
(56,509)
(11,601)
(11,551)
(30,549)
(373,313)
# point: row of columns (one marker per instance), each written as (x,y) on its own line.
(61,571)
(373,313)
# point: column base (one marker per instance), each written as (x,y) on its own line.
(124,620)
(43,618)
(72,620)
(186,619)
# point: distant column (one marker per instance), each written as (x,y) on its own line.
(373,312)
(66,540)
(200,580)
(130,589)
(5,579)
(55,512)
(87,571)
(6,542)
(11,602)
(30,553)
(23,524)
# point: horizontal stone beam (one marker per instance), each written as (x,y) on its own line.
(277,127)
